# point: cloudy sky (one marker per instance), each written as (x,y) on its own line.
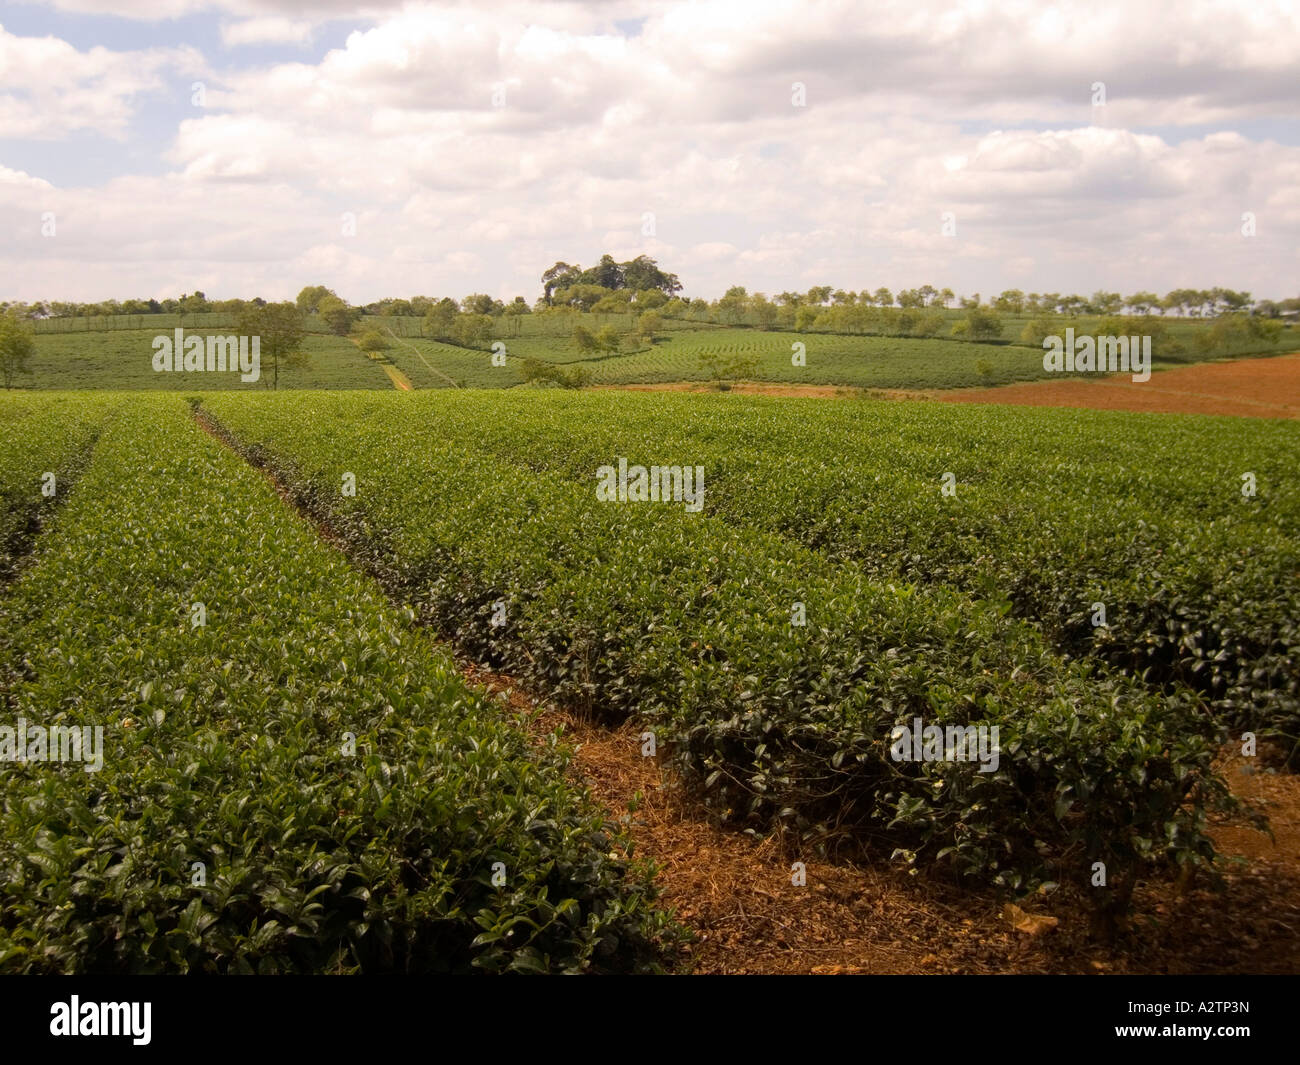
(247,147)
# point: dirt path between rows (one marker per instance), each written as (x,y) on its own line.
(735,892)
(400,381)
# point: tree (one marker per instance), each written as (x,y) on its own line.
(280,327)
(473,330)
(1011,301)
(441,318)
(608,340)
(309,298)
(606,273)
(481,303)
(649,324)
(884,297)
(372,340)
(638,275)
(1106,302)
(558,276)
(614,303)
(733,304)
(979,324)
(536,371)
(946,297)
(721,368)
(585,340)
(1036,330)
(643,273)
(1143,302)
(648,299)
(16,346)
(337,315)
(765,311)
(582,295)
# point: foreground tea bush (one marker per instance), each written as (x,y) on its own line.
(1051,511)
(300,783)
(685,622)
(44,442)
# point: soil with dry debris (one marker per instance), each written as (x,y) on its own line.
(735,892)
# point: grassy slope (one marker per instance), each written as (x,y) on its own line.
(123,359)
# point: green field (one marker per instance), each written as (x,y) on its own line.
(120,358)
(682,621)
(123,359)
(299,782)
(282,713)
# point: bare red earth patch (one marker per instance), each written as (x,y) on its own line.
(1246,388)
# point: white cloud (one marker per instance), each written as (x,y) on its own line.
(914,109)
(267,30)
(49,89)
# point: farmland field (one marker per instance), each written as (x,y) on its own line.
(117,357)
(682,621)
(290,778)
(1248,388)
(854,566)
(473,518)
(1046,527)
(123,359)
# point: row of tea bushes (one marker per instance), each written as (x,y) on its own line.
(292,778)
(44,442)
(1052,511)
(687,623)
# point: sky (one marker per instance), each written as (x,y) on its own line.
(251,147)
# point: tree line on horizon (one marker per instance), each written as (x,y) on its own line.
(640,285)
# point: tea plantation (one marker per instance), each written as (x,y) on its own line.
(296,778)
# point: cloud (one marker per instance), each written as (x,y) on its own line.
(49,89)
(475,147)
(266,30)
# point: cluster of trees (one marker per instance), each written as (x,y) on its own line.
(17,346)
(1187,302)
(422,306)
(332,309)
(640,285)
(536,371)
(641,274)
(189,303)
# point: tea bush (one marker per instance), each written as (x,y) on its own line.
(684,621)
(347,797)
(41,434)
(1053,511)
